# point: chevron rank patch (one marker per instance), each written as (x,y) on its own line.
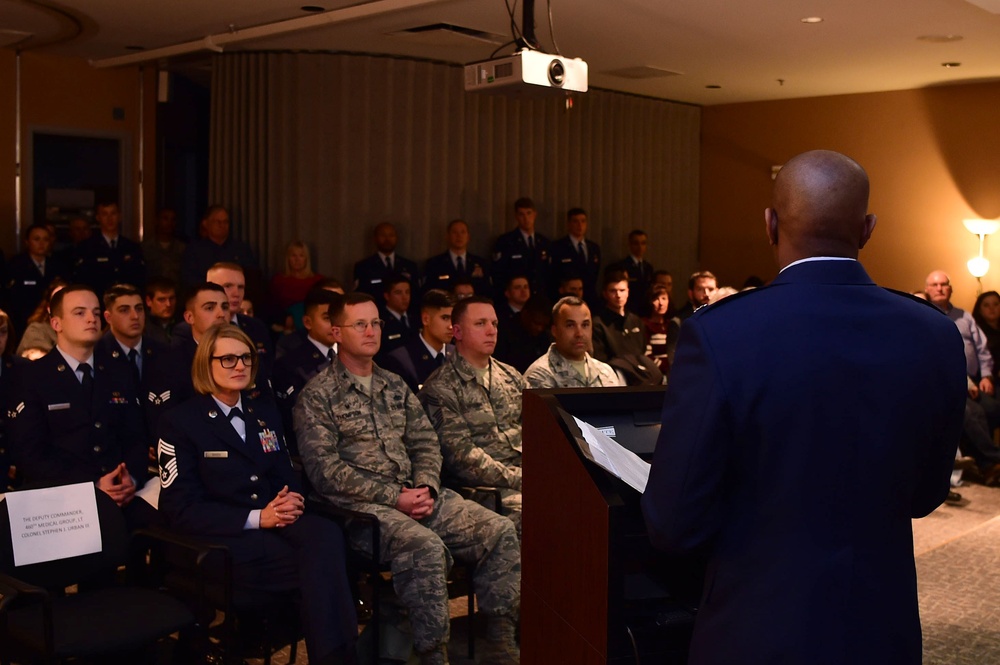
(159,399)
(166,457)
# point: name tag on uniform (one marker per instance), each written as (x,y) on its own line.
(515,256)
(396,336)
(62,406)
(102,259)
(216,454)
(567,260)
(443,276)
(30,282)
(375,281)
(269,441)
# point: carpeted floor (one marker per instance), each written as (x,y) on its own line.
(957,551)
(958,577)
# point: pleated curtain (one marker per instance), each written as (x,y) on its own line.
(322,147)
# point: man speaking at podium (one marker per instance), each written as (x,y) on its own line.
(805,424)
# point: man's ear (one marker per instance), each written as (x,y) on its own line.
(866,232)
(771,226)
(189,317)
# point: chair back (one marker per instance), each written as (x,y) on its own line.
(61,573)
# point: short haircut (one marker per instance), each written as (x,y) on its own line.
(352,298)
(8,348)
(524,202)
(394,279)
(436,299)
(317,297)
(701,274)
(459,311)
(570,276)
(160,285)
(636,232)
(201,367)
(613,277)
(212,209)
(657,273)
(117,291)
(105,203)
(573,212)
(510,280)
(36,225)
(55,305)
(225,265)
(457,221)
(462,280)
(568,301)
(329,283)
(198,288)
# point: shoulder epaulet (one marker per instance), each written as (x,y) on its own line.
(905,294)
(733,298)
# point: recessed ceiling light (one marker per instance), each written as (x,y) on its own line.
(951,65)
(312,8)
(714,87)
(939,39)
(811,19)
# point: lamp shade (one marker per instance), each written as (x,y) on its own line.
(982,227)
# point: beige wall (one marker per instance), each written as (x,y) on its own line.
(69,94)
(933,157)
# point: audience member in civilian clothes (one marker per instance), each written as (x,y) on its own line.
(425,352)
(289,287)
(371,274)
(108,257)
(986,313)
(575,254)
(39,338)
(701,286)
(78,419)
(226,477)
(661,329)
(521,251)
(441,271)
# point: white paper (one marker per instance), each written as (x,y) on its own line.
(150,492)
(53,523)
(615,458)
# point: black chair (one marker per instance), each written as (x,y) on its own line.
(40,621)
(459,582)
(200,573)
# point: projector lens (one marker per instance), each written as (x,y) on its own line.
(557,73)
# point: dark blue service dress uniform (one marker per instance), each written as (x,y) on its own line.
(292,372)
(99,265)
(210,481)
(565,259)
(60,435)
(413,362)
(512,256)
(371,273)
(11,369)
(26,286)
(440,272)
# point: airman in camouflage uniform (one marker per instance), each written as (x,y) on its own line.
(366,444)
(477,414)
(567,363)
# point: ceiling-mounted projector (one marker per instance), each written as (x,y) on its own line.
(527,72)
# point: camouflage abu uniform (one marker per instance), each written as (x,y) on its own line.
(480,428)
(553,370)
(359,448)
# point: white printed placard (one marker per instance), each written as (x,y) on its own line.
(53,523)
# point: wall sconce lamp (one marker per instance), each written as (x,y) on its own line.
(980,265)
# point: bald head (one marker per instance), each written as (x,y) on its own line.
(819,208)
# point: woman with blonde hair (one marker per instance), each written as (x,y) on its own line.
(226,477)
(39,337)
(289,287)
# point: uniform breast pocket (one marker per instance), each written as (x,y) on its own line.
(65,418)
(354,425)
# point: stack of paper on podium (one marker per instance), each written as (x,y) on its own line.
(611,456)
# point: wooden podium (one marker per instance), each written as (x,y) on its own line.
(589,584)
